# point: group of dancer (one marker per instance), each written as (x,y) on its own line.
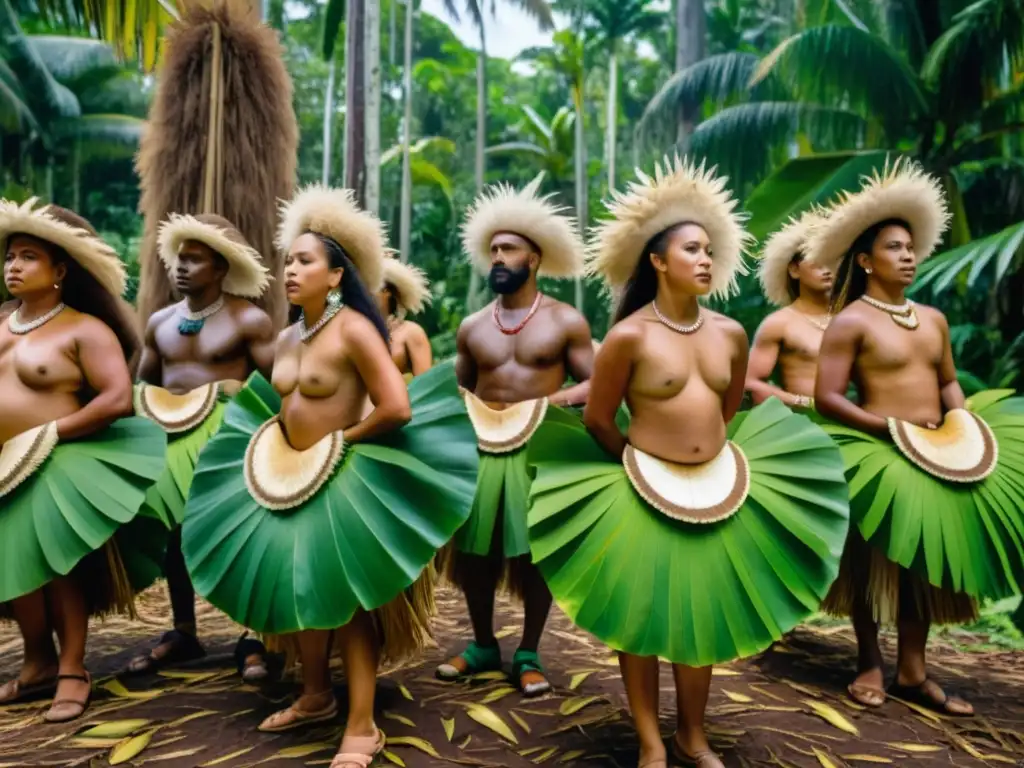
(315,482)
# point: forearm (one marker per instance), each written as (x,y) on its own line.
(100,412)
(379,422)
(609,437)
(953,396)
(574,395)
(762,390)
(838,408)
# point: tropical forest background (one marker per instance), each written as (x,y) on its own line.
(794,100)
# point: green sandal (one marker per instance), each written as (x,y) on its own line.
(477,658)
(529,661)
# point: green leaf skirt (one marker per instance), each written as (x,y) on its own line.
(79,512)
(693,594)
(167,496)
(962,538)
(364,539)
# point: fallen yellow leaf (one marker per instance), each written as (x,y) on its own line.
(449,727)
(225,758)
(302,750)
(831,716)
(739,698)
(117,688)
(547,754)
(487,718)
(572,754)
(393,758)
(411,741)
(867,759)
(724,672)
(174,755)
(577,680)
(572,706)
(400,719)
(912,747)
(521,722)
(823,759)
(115,729)
(405,692)
(130,748)
(191,717)
(497,694)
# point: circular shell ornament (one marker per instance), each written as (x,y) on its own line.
(23,454)
(693,493)
(507,430)
(962,450)
(278,476)
(175,413)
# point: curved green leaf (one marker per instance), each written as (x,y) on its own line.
(999,253)
(69,58)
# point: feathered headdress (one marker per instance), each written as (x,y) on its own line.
(68,231)
(679,192)
(247,276)
(334,212)
(778,254)
(901,191)
(502,209)
(412,290)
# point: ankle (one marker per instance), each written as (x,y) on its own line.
(360,728)
(319,696)
(692,739)
(187,628)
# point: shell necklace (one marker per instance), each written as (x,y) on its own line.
(679,327)
(821,325)
(518,328)
(19,328)
(192,323)
(902,314)
(308,332)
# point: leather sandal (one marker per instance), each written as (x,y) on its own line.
(292,718)
(184,648)
(703,759)
(930,695)
(525,662)
(251,671)
(14,690)
(476,658)
(64,710)
(353,755)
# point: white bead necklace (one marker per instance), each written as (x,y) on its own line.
(17,327)
(902,314)
(679,327)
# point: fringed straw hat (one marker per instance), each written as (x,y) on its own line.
(412,290)
(778,254)
(247,276)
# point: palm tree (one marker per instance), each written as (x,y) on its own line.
(548,145)
(371,31)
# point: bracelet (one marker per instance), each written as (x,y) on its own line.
(803,401)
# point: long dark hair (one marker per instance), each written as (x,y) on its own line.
(643,285)
(851,278)
(353,290)
(83,292)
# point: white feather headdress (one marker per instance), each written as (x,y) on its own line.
(901,191)
(503,209)
(680,191)
(334,212)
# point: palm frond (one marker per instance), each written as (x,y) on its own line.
(804,182)
(69,58)
(538,10)
(745,141)
(425,172)
(716,79)
(538,125)
(425,144)
(850,69)
(986,31)
(125,94)
(512,147)
(998,253)
(15,114)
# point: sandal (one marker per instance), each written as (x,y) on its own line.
(525,662)
(65,710)
(355,756)
(251,671)
(184,648)
(930,695)
(703,759)
(866,695)
(14,690)
(292,718)
(477,659)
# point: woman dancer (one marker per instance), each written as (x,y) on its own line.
(65,377)
(937,509)
(308,521)
(405,292)
(685,537)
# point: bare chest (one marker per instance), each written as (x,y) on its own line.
(540,344)
(802,342)
(888,347)
(219,341)
(669,362)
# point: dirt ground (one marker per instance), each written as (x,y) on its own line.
(784,708)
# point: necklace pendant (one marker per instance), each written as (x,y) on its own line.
(190,327)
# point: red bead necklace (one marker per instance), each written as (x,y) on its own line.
(518,328)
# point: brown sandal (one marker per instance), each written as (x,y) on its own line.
(292,718)
(929,694)
(59,711)
(14,690)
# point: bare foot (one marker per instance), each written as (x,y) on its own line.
(868,688)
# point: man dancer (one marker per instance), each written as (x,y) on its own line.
(790,337)
(405,291)
(215,337)
(513,354)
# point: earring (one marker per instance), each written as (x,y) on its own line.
(868,270)
(334,299)
(56,286)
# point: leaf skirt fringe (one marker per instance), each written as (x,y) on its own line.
(650,585)
(79,514)
(167,496)
(960,538)
(362,541)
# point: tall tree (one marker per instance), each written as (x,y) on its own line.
(691,47)
(372,84)
(405,225)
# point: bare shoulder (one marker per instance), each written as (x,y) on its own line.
(625,334)
(413,332)
(89,328)
(930,313)
(774,326)
(355,327)
(850,322)
(469,324)
(288,336)
(726,324)
(162,315)
(249,316)
(566,315)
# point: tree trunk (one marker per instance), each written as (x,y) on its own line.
(76,175)
(405,225)
(393,32)
(481,143)
(691,47)
(371,23)
(49,179)
(580,159)
(328,119)
(355,102)
(612,117)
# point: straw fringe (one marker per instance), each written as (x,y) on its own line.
(457,569)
